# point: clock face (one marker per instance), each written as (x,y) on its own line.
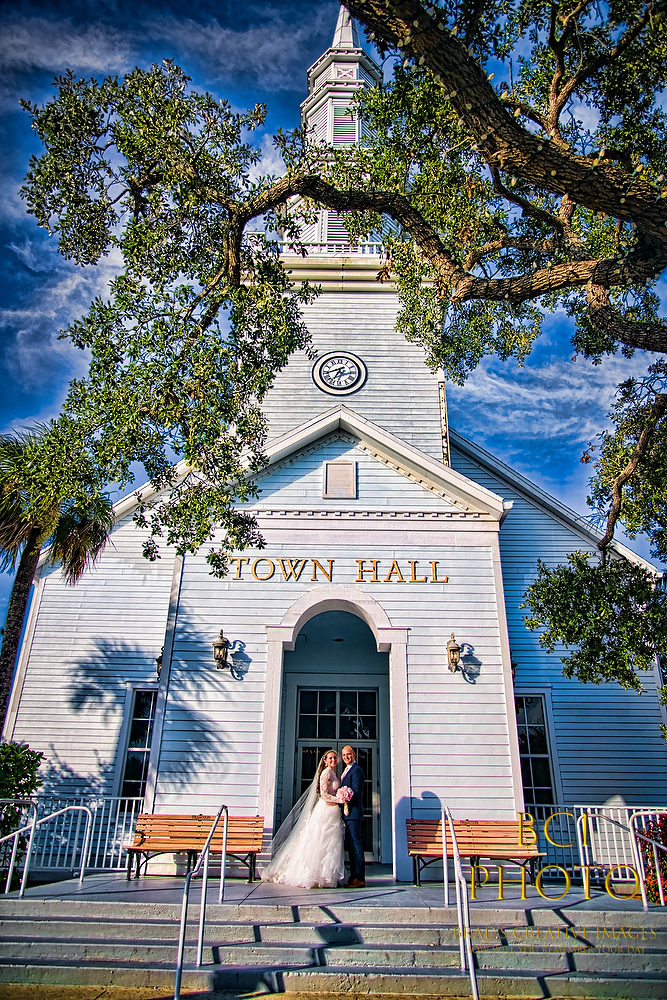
(339,373)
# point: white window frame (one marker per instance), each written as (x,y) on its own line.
(545,694)
(131,687)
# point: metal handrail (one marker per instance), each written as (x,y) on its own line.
(201,860)
(657,845)
(462,902)
(29,803)
(638,859)
(32,827)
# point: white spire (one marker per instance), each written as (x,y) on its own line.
(329,115)
(346,35)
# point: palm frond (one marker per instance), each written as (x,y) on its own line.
(80,537)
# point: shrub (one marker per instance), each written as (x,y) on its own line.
(18,780)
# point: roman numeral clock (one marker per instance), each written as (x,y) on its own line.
(339,373)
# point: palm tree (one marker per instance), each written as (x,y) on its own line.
(73,518)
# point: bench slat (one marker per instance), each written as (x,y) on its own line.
(495,840)
(159,833)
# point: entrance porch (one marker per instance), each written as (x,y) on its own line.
(388,938)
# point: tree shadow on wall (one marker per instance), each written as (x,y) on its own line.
(101,688)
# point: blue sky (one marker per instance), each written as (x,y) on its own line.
(538,419)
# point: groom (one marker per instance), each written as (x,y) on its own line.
(354,778)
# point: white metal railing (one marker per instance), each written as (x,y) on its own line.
(58,846)
(201,860)
(640,823)
(462,901)
(555,828)
(330,247)
(604,836)
(606,842)
(31,829)
(23,805)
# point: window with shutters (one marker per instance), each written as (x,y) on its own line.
(340,481)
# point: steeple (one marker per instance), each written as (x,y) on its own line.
(328,115)
(346,35)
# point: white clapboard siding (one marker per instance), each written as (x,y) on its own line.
(363,323)
(87,644)
(605,741)
(216,720)
(299,481)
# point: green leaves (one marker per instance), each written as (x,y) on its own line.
(612,616)
(197,321)
(632,460)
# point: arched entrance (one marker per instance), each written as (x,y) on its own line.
(336,692)
(281,771)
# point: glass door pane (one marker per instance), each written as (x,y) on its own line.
(329,720)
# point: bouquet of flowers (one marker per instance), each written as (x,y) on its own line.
(343,795)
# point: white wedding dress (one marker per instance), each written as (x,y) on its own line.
(312,856)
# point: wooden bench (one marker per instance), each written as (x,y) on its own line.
(495,840)
(162,833)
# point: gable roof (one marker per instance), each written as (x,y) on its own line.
(533,493)
(419,467)
(407,460)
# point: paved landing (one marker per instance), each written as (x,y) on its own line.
(380,891)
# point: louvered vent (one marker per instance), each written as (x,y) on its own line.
(318,125)
(340,481)
(320,80)
(336,231)
(344,125)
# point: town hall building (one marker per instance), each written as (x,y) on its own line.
(383,611)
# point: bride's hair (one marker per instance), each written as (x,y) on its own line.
(321,767)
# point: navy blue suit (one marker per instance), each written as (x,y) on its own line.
(355,779)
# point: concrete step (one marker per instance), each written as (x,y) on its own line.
(221,933)
(363,915)
(529,984)
(363,950)
(626,939)
(372,981)
(388,954)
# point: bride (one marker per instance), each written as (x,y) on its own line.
(307,851)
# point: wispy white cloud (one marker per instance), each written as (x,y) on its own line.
(52,43)
(33,351)
(559,398)
(539,419)
(267,53)
(31,256)
(271,163)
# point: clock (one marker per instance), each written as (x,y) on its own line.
(339,373)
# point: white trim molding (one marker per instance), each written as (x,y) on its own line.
(392,639)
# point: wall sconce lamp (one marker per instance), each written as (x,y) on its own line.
(220,648)
(453,654)
(158,663)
